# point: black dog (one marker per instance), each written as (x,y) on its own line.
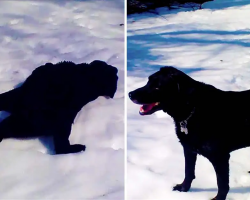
(208,121)
(50,98)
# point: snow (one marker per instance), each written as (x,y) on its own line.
(36,32)
(211,45)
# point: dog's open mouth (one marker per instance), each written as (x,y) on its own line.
(147,109)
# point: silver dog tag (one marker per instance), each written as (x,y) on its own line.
(184,127)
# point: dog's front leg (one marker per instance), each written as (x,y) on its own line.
(190,160)
(221,166)
(61,141)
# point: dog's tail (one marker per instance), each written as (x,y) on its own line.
(9,100)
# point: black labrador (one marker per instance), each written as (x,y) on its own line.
(50,98)
(208,121)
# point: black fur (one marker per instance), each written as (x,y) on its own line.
(50,98)
(218,121)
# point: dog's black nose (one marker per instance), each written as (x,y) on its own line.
(130,95)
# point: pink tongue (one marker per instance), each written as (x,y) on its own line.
(148,107)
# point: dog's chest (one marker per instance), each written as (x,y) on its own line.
(195,144)
(194,139)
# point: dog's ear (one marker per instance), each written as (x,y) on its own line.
(100,64)
(183,86)
(171,71)
(168,78)
(183,80)
(168,69)
(162,69)
(165,68)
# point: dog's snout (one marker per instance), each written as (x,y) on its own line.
(132,97)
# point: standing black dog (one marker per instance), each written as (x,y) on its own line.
(50,98)
(208,121)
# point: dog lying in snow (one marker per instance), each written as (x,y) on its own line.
(208,121)
(50,98)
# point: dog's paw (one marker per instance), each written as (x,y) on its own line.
(219,197)
(75,148)
(181,188)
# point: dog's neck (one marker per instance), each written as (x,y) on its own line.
(182,106)
(191,114)
(184,113)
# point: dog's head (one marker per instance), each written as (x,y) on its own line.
(164,90)
(105,77)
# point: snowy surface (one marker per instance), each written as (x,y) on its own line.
(210,45)
(33,33)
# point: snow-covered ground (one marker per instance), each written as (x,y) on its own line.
(33,33)
(211,45)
